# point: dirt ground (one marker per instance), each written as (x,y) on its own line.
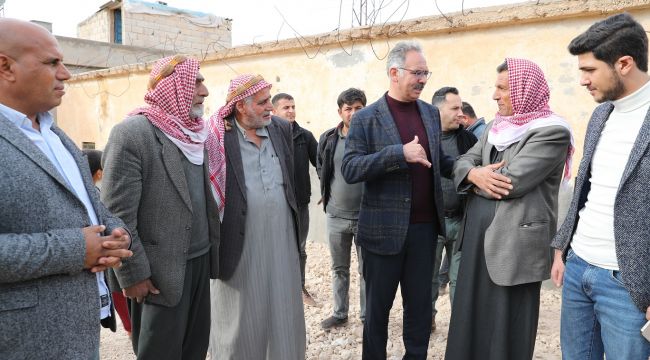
(345,343)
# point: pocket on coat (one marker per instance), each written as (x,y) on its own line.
(18,297)
(534,249)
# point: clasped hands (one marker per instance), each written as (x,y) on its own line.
(103,252)
(489,181)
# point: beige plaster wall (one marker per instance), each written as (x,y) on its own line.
(462,56)
(465,59)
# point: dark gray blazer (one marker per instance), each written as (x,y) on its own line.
(374,154)
(631,224)
(517,240)
(234,217)
(144,184)
(49,305)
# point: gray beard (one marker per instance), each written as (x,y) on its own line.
(196,111)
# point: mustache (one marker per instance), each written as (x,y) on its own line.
(418,86)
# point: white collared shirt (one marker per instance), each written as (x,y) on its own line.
(50,144)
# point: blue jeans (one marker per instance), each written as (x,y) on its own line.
(598,315)
(341,234)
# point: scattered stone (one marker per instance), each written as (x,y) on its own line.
(345,342)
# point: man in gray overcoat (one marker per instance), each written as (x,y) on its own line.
(156,179)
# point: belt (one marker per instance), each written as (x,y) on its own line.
(452,213)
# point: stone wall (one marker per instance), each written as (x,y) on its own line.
(98,27)
(174,33)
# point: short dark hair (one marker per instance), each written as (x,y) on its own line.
(610,39)
(350,96)
(94,160)
(502,67)
(468,110)
(279,97)
(440,94)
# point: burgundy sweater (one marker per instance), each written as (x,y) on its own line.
(409,123)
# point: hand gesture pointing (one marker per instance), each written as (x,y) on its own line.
(414,153)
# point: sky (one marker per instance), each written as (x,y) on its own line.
(255,21)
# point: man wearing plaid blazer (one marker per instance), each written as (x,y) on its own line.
(393,146)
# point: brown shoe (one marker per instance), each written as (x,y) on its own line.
(307,299)
(433,324)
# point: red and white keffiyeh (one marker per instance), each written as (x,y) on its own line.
(170,102)
(529,94)
(240,88)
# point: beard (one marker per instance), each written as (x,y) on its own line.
(196,111)
(615,91)
(257,122)
(265,123)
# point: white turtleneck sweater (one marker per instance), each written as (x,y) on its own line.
(593,240)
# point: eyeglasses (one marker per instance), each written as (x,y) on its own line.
(418,73)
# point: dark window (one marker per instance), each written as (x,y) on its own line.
(117,26)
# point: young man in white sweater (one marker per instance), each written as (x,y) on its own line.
(605,239)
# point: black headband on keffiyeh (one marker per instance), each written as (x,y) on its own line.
(172,84)
(240,88)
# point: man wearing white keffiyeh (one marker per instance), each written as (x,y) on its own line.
(513,177)
(156,180)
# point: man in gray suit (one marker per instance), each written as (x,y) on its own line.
(513,176)
(156,179)
(257,303)
(605,238)
(56,238)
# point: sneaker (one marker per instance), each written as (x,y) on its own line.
(332,322)
(433,324)
(307,299)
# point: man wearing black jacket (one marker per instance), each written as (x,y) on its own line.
(304,152)
(341,202)
(455,141)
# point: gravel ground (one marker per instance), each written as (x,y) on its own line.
(345,343)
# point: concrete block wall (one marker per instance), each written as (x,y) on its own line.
(97,27)
(174,33)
